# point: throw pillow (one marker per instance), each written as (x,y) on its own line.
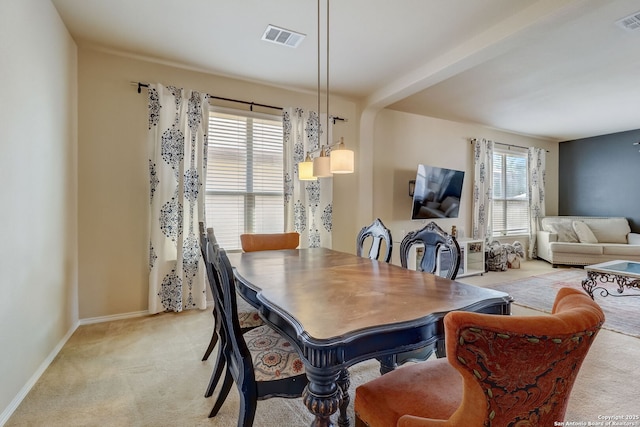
(565,232)
(610,230)
(585,235)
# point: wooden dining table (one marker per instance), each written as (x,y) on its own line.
(339,309)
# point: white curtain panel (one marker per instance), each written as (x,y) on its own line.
(308,204)
(481,224)
(537,176)
(177,162)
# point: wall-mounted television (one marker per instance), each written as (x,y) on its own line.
(436,192)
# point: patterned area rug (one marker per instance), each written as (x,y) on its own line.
(538,292)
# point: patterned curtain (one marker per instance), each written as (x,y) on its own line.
(177,161)
(308,204)
(482,189)
(537,176)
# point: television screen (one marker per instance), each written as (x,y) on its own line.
(436,193)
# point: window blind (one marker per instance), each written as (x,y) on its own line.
(244,183)
(510,214)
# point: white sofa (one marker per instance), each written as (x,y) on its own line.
(605,239)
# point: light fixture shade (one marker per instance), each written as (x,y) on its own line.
(322,165)
(305,171)
(341,159)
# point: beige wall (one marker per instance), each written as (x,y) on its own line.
(38,249)
(402,141)
(113,169)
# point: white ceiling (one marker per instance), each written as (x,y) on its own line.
(559,69)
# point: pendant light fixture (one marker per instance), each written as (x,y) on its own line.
(305,170)
(341,160)
(322,165)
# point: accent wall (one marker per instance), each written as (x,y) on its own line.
(599,176)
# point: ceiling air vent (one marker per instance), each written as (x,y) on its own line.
(281,36)
(630,23)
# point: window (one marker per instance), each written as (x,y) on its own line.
(244,185)
(510,195)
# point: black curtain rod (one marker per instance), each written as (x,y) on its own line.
(513,145)
(251,104)
(510,145)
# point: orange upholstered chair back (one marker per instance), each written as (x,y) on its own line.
(269,242)
(518,368)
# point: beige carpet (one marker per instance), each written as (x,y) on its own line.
(147,372)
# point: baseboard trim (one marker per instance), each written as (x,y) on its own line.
(9,410)
(112,317)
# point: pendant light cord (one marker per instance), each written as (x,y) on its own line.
(319,124)
(327,129)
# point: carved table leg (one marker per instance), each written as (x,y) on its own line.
(344,382)
(322,396)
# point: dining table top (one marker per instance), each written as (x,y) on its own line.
(311,286)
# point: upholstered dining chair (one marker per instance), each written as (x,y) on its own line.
(248,317)
(269,242)
(261,362)
(378,234)
(499,371)
(436,241)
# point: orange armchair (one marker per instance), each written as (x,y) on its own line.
(499,371)
(269,242)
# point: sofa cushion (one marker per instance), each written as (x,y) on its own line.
(585,235)
(564,231)
(633,238)
(577,248)
(621,250)
(611,230)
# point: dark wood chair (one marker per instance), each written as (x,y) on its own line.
(436,243)
(261,362)
(379,234)
(217,337)
(248,317)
